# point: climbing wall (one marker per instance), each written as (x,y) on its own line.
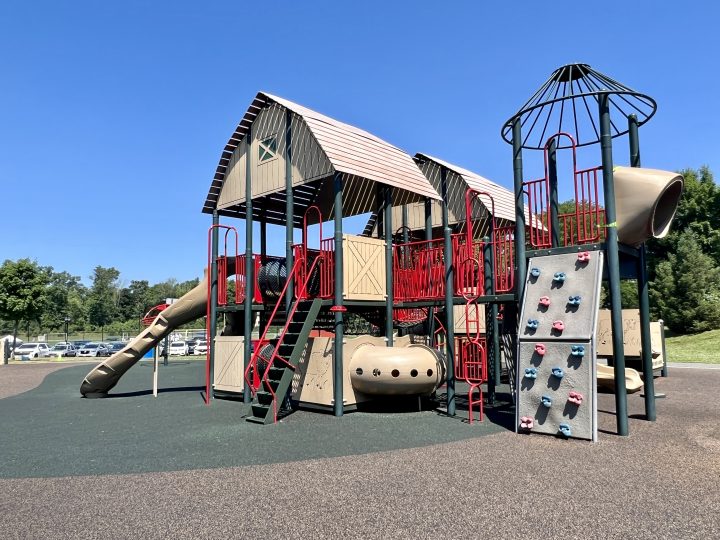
(556,384)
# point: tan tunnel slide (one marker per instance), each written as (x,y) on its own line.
(106,375)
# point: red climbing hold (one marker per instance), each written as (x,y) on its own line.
(540,349)
(544,301)
(584,256)
(558,325)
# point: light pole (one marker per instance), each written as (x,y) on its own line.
(67,321)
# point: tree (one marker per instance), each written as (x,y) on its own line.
(686,289)
(698,212)
(63,291)
(134,300)
(22,292)
(102,308)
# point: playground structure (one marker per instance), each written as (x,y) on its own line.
(443,260)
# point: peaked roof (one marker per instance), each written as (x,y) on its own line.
(350,150)
(503,198)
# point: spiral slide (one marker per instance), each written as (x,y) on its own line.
(106,375)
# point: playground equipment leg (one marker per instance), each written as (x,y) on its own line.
(449,290)
(338,307)
(213,308)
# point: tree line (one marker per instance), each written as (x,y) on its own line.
(37,299)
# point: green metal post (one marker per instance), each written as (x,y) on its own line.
(387,207)
(553,181)
(520,260)
(213,303)
(249,266)
(428,237)
(405,233)
(643,296)
(449,290)
(489,343)
(664,371)
(613,266)
(338,308)
(380,224)
(289,209)
(263,254)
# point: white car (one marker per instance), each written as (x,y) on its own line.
(62,349)
(178,348)
(201,347)
(94,349)
(31,350)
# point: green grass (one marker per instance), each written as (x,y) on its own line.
(703,348)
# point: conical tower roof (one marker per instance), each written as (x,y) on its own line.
(568,102)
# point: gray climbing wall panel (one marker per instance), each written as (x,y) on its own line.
(556,379)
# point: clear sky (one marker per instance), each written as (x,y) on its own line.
(113,114)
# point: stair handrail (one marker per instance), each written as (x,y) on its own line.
(275,355)
(256,353)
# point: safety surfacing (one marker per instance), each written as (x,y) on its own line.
(51,431)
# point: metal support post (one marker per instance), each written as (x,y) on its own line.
(212,323)
(249,266)
(338,308)
(554,204)
(449,293)
(428,237)
(520,260)
(289,209)
(613,266)
(643,296)
(387,207)
(263,255)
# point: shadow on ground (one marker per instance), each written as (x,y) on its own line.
(52,431)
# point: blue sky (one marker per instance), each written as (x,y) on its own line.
(113,114)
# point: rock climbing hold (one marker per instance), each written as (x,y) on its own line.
(565,429)
(540,349)
(574,300)
(527,422)
(560,277)
(577,350)
(584,256)
(575,397)
(535,272)
(532,324)
(558,372)
(546,401)
(531,373)
(544,301)
(558,326)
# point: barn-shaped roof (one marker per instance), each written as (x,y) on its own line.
(503,198)
(361,157)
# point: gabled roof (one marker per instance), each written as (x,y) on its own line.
(350,150)
(503,198)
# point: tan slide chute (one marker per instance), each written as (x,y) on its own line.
(105,376)
(646,201)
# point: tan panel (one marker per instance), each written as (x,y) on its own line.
(229,363)
(363,268)
(269,175)
(233,189)
(459,315)
(631,336)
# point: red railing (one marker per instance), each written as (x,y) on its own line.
(583,226)
(222,285)
(252,367)
(152,314)
(504,258)
(418,271)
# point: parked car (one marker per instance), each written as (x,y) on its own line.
(201,347)
(62,349)
(191,343)
(31,350)
(79,344)
(178,348)
(116,346)
(94,349)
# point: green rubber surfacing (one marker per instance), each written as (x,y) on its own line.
(51,431)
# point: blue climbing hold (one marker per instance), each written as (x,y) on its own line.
(535,272)
(531,373)
(559,276)
(574,300)
(565,429)
(546,400)
(558,372)
(532,324)
(577,350)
